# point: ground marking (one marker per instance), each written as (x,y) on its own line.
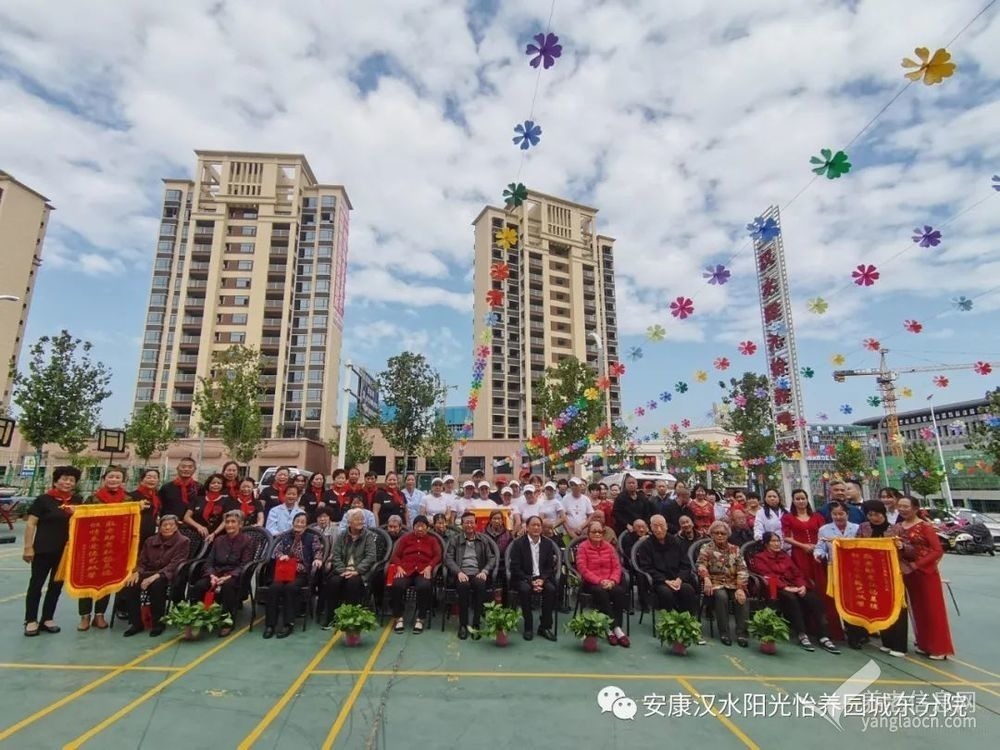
(739,734)
(356,691)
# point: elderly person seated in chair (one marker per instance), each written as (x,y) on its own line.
(394,527)
(353,556)
(665,560)
(469,559)
(741,532)
(787,592)
(724,576)
(161,556)
(224,566)
(534,562)
(293,548)
(412,564)
(640,529)
(601,571)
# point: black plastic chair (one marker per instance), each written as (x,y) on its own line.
(264,575)
(449,589)
(261,541)
(584,599)
(536,599)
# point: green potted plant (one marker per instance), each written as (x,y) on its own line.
(768,626)
(354,620)
(590,626)
(679,629)
(499,621)
(193,618)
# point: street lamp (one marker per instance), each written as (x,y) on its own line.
(111,442)
(881,452)
(944,469)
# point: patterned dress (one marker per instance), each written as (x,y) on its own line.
(703,515)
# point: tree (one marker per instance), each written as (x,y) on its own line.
(753,422)
(437,446)
(150,431)
(556,390)
(923,471)
(689,458)
(985,436)
(851,460)
(60,395)
(617,447)
(358,448)
(409,387)
(228,402)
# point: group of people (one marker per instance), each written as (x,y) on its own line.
(437,531)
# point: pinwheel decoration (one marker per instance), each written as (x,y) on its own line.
(666,396)
(545,50)
(846,409)
(926,433)
(906,392)
(865,275)
(591,394)
(941,381)
(817,305)
(807,372)
(872,345)
(760,392)
(527,135)
(494,298)
(499,271)
(603,382)
(982,368)
(962,304)
(996,182)
(515,194)
(874,401)
(833,165)
(506,237)
(763,230)
(717,275)
(823,416)
(682,307)
(616,369)
(639,411)
(701,376)
(721,363)
(782,383)
(931,68)
(926,237)
(685,423)
(681,387)
(740,400)
(655,333)
(635,353)
(913,326)
(778,329)
(491,319)
(747,348)
(650,405)
(838,360)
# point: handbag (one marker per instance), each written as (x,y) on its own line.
(285,570)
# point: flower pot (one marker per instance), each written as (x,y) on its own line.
(769,647)
(191,633)
(502,639)
(352,639)
(590,643)
(679,648)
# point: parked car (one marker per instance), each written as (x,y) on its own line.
(267,478)
(641,476)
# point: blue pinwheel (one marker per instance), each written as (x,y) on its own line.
(491,319)
(635,353)
(927,237)
(760,392)
(717,275)
(846,409)
(996,182)
(778,329)
(528,135)
(963,304)
(545,50)
(666,396)
(782,383)
(763,230)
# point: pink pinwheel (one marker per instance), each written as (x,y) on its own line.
(639,411)
(872,345)
(545,50)
(982,368)
(747,348)
(740,400)
(721,363)
(685,423)
(941,381)
(617,369)
(913,326)
(682,307)
(865,275)
(926,433)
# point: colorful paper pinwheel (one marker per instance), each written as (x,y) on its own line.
(817,305)
(747,348)
(777,328)
(865,275)
(932,69)
(499,271)
(872,345)
(846,409)
(838,360)
(639,411)
(763,230)
(666,396)
(926,433)
(740,400)
(823,416)
(491,319)
(591,394)
(681,387)
(913,326)
(616,369)
(962,304)
(635,353)
(807,372)
(506,237)
(603,383)
(995,182)
(682,307)
(721,363)
(717,275)
(906,392)
(701,376)
(527,135)
(782,383)
(982,368)
(926,237)
(494,297)
(685,423)
(545,50)
(655,333)
(874,401)
(941,381)
(833,165)
(515,194)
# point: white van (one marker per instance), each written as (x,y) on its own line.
(641,477)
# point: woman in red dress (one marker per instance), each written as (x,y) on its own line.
(800,527)
(924,589)
(702,510)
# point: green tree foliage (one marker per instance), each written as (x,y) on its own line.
(561,386)
(227,402)
(150,431)
(851,460)
(410,387)
(753,422)
(616,447)
(60,395)
(688,459)
(437,446)
(985,436)
(923,470)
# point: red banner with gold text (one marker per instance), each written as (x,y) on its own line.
(102,550)
(866,582)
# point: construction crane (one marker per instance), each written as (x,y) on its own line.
(886,379)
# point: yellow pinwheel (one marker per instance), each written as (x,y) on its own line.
(701,376)
(818,305)
(655,333)
(506,237)
(906,393)
(838,359)
(931,69)
(591,394)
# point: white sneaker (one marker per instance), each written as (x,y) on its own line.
(937,657)
(897,654)
(885,649)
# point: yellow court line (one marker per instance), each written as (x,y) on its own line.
(737,732)
(952,676)
(356,690)
(15,728)
(973,666)
(276,709)
(87,667)
(100,727)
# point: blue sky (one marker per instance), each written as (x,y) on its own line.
(679,121)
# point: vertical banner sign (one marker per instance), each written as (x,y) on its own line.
(368,406)
(102,550)
(866,582)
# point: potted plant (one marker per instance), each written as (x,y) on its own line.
(354,620)
(680,629)
(768,626)
(590,626)
(193,618)
(499,621)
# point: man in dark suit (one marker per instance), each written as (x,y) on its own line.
(534,560)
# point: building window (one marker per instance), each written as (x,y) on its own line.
(326,235)
(158,300)
(323,269)
(155,317)
(143,394)
(319,321)
(237,338)
(321,303)
(325,251)
(240,319)
(160,282)
(328,201)
(248,231)
(241,301)
(314,394)
(165,246)
(147,375)
(168,229)
(469,464)
(316,358)
(149,355)
(377,464)
(152,337)
(313,413)
(242,283)
(172,196)
(323,285)
(319,339)
(244,265)
(315,376)
(308,236)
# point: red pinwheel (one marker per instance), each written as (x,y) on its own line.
(617,369)
(913,326)
(682,307)
(865,275)
(941,381)
(747,348)
(872,345)
(685,423)
(603,383)
(982,368)
(482,352)
(499,271)
(494,297)
(721,363)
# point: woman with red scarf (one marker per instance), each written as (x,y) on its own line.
(45,537)
(149,503)
(931,634)
(231,475)
(112,490)
(206,513)
(340,495)
(314,496)
(274,495)
(246,503)
(390,500)
(178,495)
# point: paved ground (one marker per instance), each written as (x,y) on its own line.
(396,691)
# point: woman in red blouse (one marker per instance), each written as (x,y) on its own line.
(412,564)
(702,510)
(601,571)
(800,528)
(932,635)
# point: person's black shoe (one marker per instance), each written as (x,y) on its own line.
(742,641)
(132,631)
(268,633)
(726,640)
(547,634)
(463,633)
(157,631)
(528,635)
(286,631)
(476,635)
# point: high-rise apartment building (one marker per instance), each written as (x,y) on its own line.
(559,302)
(253,251)
(24,217)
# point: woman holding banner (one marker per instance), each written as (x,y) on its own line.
(932,636)
(839,527)
(112,490)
